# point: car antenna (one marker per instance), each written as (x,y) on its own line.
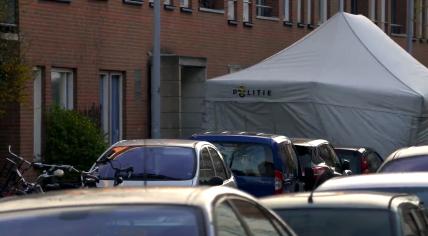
(311,195)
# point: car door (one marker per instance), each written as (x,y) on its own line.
(220,168)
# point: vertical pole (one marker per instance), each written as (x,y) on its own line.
(410,10)
(382,14)
(155,81)
(341,6)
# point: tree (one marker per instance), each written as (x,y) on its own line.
(14,73)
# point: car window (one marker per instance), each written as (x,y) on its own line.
(374,161)
(219,167)
(288,158)
(354,158)
(249,159)
(206,168)
(258,223)
(412,222)
(226,221)
(147,220)
(151,163)
(329,157)
(409,164)
(337,221)
(306,159)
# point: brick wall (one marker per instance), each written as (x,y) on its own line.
(92,35)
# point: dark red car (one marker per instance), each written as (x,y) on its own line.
(318,161)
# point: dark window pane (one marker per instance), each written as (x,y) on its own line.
(288,158)
(247,159)
(354,158)
(8,12)
(410,164)
(153,163)
(338,222)
(218,164)
(206,169)
(306,159)
(374,161)
(105,220)
(226,221)
(256,220)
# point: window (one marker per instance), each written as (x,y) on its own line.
(62,88)
(309,13)
(287,12)
(322,11)
(206,169)
(267,8)
(213,5)
(136,2)
(226,221)
(185,4)
(398,16)
(300,11)
(37,109)
(111,105)
(425,20)
(374,161)
(220,170)
(232,9)
(8,12)
(289,159)
(248,12)
(257,222)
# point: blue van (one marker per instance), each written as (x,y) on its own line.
(263,164)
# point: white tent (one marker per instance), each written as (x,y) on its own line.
(347,82)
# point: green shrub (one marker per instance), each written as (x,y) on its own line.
(72,139)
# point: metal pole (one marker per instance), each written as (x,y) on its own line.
(410,10)
(155,80)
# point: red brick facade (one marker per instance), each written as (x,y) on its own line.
(89,36)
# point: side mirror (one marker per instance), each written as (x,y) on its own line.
(347,172)
(118,180)
(215,181)
(346,165)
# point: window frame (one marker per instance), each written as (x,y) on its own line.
(274,11)
(211,10)
(69,87)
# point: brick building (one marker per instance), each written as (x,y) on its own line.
(89,53)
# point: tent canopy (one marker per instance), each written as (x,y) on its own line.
(347,81)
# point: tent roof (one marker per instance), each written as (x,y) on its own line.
(348,55)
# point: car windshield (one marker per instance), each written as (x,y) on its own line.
(330,221)
(410,164)
(306,159)
(151,163)
(354,158)
(247,159)
(154,220)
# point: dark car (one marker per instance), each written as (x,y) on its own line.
(162,162)
(408,159)
(351,214)
(318,161)
(411,183)
(362,160)
(263,164)
(152,211)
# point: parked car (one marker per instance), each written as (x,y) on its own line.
(263,164)
(342,214)
(170,162)
(408,159)
(140,211)
(412,183)
(318,161)
(362,160)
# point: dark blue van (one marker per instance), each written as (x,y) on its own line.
(263,164)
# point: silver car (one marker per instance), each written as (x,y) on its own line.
(152,211)
(162,162)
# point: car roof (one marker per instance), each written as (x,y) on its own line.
(371,200)
(379,180)
(200,196)
(158,142)
(308,141)
(408,152)
(242,135)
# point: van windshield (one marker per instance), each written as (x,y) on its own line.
(247,159)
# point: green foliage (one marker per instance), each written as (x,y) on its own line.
(72,139)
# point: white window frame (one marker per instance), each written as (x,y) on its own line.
(184,3)
(418,13)
(246,8)
(231,10)
(309,12)
(299,11)
(67,89)
(372,10)
(287,11)
(322,11)
(106,100)
(382,14)
(37,113)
